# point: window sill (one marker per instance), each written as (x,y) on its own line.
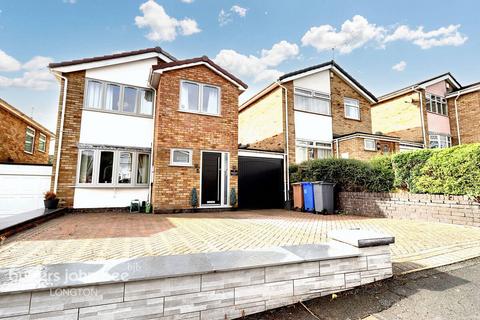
(438,114)
(354,119)
(97,186)
(31,153)
(201,113)
(119,113)
(370,150)
(181,165)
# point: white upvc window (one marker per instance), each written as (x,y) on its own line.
(308,150)
(436,104)
(352,108)
(181,157)
(199,98)
(312,101)
(440,141)
(369,145)
(113,167)
(42,143)
(29,140)
(118,98)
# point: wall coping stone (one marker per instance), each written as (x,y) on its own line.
(41,277)
(361,238)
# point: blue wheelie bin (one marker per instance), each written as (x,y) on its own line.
(308,197)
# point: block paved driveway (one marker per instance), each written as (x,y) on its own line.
(101,236)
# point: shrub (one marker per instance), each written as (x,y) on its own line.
(454,171)
(383,175)
(407,166)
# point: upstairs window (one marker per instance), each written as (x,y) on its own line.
(437,104)
(118,98)
(199,98)
(42,143)
(352,108)
(29,140)
(312,101)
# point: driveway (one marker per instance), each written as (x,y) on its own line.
(101,236)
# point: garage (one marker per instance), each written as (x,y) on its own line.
(261,180)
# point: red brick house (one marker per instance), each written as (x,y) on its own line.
(22,139)
(144,125)
(328,115)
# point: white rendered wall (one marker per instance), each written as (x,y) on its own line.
(132,73)
(309,126)
(318,81)
(107,197)
(22,187)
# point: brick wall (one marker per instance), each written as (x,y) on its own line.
(356,149)
(71,136)
(175,129)
(437,208)
(12,140)
(291,120)
(468,106)
(341,125)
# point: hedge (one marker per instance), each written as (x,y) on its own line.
(347,174)
(454,171)
(451,171)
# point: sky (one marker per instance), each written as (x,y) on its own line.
(385,45)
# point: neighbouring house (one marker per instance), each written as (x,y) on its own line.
(418,113)
(144,125)
(22,139)
(328,115)
(464,114)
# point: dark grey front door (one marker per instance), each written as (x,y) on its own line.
(211,177)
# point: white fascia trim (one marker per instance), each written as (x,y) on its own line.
(395,94)
(160,71)
(110,62)
(260,154)
(446,77)
(366,96)
(367,136)
(257,96)
(307,73)
(411,143)
(465,91)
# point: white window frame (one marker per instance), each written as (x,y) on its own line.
(437,100)
(313,95)
(33,141)
(347,102)
(116,164)
(137,155)
(436,137)
(200,98)
(309,144)
(181,164)
(42,138)
(103,108)
(366,147)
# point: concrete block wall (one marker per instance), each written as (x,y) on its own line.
(425,207)
(219,295)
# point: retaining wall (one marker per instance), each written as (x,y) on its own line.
(438,208)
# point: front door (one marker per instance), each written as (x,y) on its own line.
(211,178)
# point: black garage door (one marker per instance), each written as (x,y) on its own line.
(260,183)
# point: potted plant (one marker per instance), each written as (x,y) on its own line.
(51,200)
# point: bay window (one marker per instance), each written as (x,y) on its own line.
(308,150)
(115,167)
(352,108)
(199,98)
(118,98)
(312,101)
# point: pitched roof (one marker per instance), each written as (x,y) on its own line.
(196,61)
(8,107)
(419,84)
(112,56)
(465,89)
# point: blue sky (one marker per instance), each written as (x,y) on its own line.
(256,40)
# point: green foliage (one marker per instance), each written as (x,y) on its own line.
(454,171)
(233,197)
(194,198)
(347,174)
(383,174)
(407,167)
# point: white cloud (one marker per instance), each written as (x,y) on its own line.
(242,12)
(260,68)
(225,17)
(187,1)
(8,63)
(70,1)
(358,32)
(36,75)
(444,36)
(400,66)
(162,26)
(353,34)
